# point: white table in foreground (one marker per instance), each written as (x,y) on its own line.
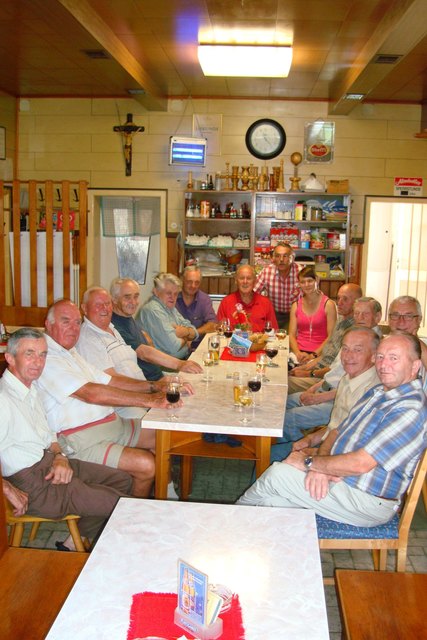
(268,556)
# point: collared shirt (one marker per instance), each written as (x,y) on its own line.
(392,427)
(24,432)
(281,291)
(333,344)
(257,311)
(159,322)
(198,312)
(64,373)
(349,391)
(107,350)
(133,336)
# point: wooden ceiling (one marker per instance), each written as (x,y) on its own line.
(152,45)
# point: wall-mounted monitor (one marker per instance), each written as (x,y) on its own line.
(187,151)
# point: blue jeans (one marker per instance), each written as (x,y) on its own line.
(297,418)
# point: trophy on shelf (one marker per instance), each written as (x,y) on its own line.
(296,159)
(280,185)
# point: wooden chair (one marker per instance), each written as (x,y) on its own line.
(17,525)
(393,535)
(381,604)
(33,587)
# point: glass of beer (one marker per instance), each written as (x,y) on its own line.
(214,343)
(240,385)
(207,361)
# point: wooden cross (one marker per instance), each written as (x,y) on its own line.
(128,130)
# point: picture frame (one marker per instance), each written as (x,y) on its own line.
(319,140)
(2,143)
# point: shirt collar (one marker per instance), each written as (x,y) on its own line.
(18,387)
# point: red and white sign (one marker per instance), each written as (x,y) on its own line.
(408,186)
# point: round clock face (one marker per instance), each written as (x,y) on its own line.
(265,139)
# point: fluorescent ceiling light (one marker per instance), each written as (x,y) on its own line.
(354,96)
(245,60)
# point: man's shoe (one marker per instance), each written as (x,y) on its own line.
(61,547)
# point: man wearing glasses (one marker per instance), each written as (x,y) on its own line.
(404,316)
(279,281)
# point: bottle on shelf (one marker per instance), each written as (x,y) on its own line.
(211,185)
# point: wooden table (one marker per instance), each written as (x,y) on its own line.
(269,557)
(382,605)
(211,410)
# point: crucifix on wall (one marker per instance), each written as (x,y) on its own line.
(128,130)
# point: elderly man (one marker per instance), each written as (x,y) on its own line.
(125,298)
(357,361)
(313,407)
(39,478)
(167,328)
(245,306)
(279,281)
(102,345)
(301,377)
(404,316)
(196,305)
(365,465)
(79,399)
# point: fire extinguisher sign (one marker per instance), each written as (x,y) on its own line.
(408,187)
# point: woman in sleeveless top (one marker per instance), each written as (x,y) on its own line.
(312,318)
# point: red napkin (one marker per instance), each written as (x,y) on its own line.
(152,614)
(227,355)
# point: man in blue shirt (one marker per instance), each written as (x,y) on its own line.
(195,305)
(365,465)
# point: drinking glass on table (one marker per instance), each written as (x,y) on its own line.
(228,331)
(173,395)
(240,385)
(246,402)
(213,345)
(208,361)
(281,335)
(271,350)
(267,326)
(254,384)
(261,364)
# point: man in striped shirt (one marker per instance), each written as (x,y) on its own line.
(279,281)
(364,467)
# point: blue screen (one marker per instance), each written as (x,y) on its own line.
(188,152)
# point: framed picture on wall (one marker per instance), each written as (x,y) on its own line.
(2,143)
(319,138)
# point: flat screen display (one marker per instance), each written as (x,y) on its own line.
(188,151)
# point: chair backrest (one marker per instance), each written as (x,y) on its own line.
(412,496)
(3,530)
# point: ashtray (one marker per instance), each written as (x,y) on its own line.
(223,592)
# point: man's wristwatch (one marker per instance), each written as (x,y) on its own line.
(60,453)
(308,461)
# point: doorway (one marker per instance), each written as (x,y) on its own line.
(127,236)
(395,256)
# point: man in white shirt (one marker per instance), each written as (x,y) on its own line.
(39,478)
(79,401)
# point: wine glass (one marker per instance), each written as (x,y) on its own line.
(267,326)
(214,343)
(173,395)
(228,331)
(281,335)
(208,361)
(254,384)
(271,350)
(220,329)
(261,364)
(246,401)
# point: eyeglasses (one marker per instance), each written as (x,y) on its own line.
(405,316)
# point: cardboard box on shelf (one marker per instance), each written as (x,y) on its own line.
(337,186)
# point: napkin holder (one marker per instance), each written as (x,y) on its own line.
(202,631)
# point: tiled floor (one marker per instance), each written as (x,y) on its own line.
(218,480)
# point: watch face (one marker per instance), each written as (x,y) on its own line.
(265,139)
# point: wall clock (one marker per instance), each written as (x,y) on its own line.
(265,139)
